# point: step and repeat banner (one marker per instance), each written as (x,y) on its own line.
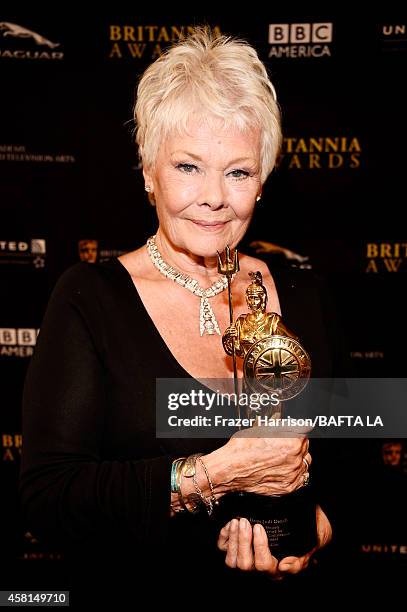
(72,189)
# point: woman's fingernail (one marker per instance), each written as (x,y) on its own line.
(233,524)
(257,529)
(244,524)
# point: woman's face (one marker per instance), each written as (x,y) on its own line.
(205,185)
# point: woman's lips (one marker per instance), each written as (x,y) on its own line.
(209,226)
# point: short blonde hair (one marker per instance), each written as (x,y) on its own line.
(207,76)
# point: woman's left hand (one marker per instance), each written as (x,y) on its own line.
(247,548)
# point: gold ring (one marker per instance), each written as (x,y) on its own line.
(306,464)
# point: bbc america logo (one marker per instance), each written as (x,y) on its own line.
(17,342)
(300,33)
(292,40)
(10,336)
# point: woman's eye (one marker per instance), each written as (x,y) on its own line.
(187,168)
(239,174)
(192,168)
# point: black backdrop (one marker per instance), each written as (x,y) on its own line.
(70,178)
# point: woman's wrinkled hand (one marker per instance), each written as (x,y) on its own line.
(254,462)
(247,548)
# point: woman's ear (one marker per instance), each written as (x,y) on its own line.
(147,178)
(148,186)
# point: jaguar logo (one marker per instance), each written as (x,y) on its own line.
(16,31)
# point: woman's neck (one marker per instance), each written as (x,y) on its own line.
(186,262)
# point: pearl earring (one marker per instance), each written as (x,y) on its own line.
(258,198)
(147,188)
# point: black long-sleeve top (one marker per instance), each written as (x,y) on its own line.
(95,480)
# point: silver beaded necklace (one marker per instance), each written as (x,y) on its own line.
(207,320)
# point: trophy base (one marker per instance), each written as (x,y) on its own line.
(289,520)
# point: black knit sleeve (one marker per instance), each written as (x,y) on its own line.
(69,492)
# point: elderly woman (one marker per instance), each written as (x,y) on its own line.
(95,478)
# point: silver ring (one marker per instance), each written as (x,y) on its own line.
(305,476)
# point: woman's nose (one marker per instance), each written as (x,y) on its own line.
(213,191)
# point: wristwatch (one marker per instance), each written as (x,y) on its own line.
(189,467)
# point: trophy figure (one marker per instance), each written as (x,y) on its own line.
(274,362)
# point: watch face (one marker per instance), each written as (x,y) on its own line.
(189,468)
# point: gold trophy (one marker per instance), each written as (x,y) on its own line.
(274,363)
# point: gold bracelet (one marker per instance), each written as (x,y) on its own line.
(187,469)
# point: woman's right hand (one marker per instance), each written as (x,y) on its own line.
(263,465)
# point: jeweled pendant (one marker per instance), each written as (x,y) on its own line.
(207,320)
